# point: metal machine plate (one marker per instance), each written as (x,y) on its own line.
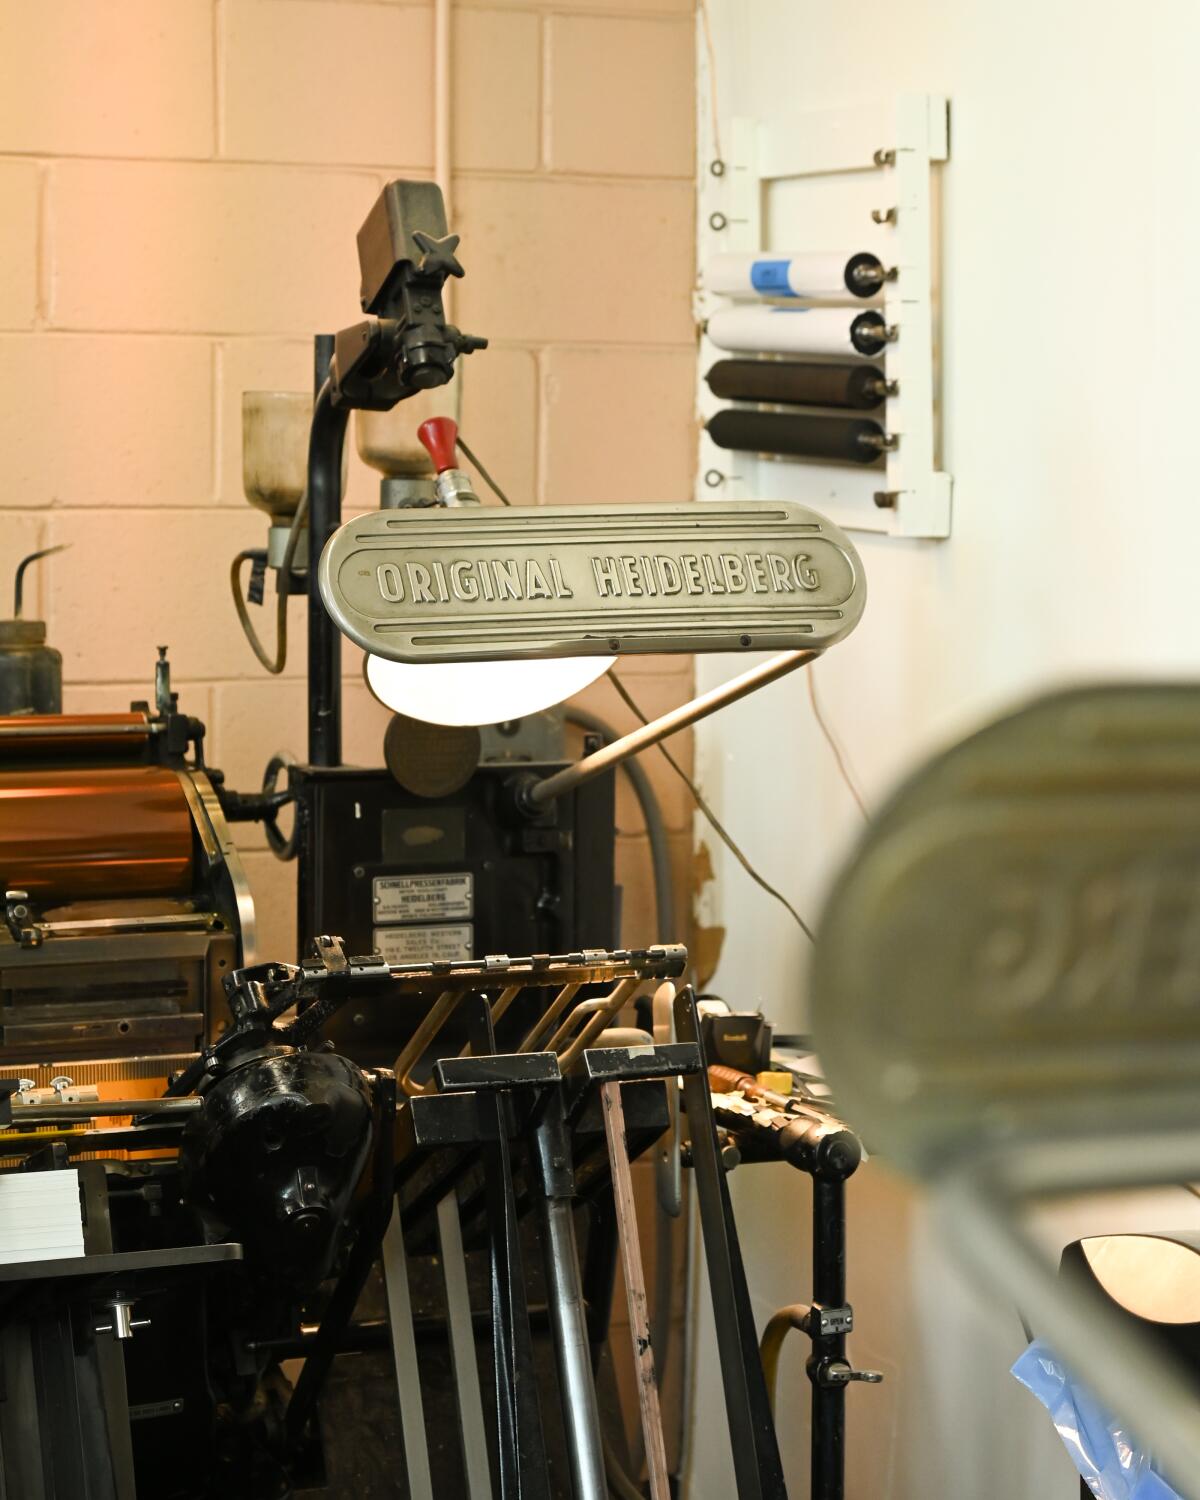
(476,584)
(423,898)
(1015,946)
(433,942)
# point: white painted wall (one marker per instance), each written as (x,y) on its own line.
(1070,233)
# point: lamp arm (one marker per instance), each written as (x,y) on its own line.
(536,794)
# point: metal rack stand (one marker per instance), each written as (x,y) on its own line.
(891,148)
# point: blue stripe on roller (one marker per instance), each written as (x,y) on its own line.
(769,278)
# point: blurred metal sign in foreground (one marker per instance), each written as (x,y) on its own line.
(1006,996)
(1018,935)
(475,584)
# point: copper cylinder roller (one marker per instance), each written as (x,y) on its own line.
(72,736)
(103,832)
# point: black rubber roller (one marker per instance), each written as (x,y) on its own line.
(855,440)
(798,383)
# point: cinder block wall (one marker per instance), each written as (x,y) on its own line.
(180,186)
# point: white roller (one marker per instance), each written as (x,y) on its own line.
(814,277)
(798,330)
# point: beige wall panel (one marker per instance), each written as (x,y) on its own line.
(84,78)
(130,582)
(204,248)
(497,103)
(576,262)
(619,425)
(107,421)
(639,923)
(636,8)
(613,88)
(20,233)
(317,82)
(500,419)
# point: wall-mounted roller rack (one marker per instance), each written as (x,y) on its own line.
(862,179)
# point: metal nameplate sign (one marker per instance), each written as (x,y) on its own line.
(1018,936)
(436,943)
(423,898)
(476,584)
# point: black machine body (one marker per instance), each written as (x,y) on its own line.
(417,878)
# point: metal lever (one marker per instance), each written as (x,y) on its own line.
(838,1372)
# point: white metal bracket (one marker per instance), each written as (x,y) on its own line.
(887,153)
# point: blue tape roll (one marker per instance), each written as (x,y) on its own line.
(769,278)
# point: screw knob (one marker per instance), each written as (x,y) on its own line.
(439,437)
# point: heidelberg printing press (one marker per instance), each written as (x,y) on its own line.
(350,1225)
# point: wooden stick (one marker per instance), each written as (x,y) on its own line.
(635,1289)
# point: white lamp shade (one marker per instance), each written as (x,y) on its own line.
(480,692)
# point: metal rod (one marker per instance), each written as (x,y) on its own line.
(47,1114)
(568,1311)
(549,1016)
(606,1010)
(80,1138)
(435,1018)
(522,1467)
(828,1464)
(541,792)
(758,1468)
(73,731)
(404,1355)
(472,1432)
(325,444)
(635,1291)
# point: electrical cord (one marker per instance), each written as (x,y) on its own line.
(771,1344)
(483,474)
(831,741)
(706,27)
(714,822)
(274,664)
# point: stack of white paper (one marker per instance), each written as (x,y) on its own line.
(40,1216)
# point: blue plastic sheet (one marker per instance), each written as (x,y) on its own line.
(1112,1465)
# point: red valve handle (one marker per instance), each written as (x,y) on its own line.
(439,436)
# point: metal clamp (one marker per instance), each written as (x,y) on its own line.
(838,1372)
